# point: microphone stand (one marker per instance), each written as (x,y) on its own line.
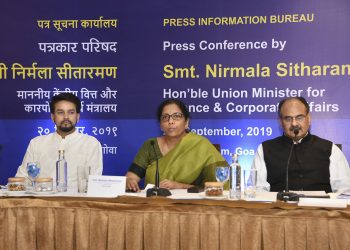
(286,195)
(156,190)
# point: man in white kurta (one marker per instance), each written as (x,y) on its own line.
(80,150)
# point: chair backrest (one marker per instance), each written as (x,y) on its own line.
(217,146)
(340,146)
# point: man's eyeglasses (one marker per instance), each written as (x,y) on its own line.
(176,116)
(298,118)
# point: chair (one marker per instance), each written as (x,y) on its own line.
(217,146)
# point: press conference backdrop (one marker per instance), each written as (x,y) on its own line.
(231,62)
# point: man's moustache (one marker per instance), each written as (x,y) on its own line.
(67,121)
(293,128)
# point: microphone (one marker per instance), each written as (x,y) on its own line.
(286,195)
(296,130)
(157,191)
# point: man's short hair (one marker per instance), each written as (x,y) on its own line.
(69,97)
(299,98)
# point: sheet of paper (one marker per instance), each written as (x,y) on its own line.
(263,197)
(182,194)
(319,202)
(344,195)
(311,193)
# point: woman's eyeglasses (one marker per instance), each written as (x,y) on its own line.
(176,116)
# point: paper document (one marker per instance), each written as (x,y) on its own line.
(263,197)
(311,193)
(344,195)
(319,202)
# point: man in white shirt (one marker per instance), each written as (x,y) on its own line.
(80,150)
(315,163)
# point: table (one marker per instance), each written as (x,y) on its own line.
(159,223)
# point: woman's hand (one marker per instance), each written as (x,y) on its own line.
(173,184)
(132,182)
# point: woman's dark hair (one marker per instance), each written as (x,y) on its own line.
(178,103)
(69,97)
(299,98)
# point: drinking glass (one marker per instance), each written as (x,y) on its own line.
(250,181)
(33,170)
(83,178)
(222,174)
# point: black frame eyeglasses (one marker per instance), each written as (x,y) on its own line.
(175,116)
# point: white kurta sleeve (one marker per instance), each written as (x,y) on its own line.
(339,170)
(95,159)
(259,164)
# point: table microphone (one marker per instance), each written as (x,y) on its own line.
(286,195)
(157,191)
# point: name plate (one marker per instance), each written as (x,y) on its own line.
(106,186)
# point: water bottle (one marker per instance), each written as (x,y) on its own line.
(235,178)
(61,172)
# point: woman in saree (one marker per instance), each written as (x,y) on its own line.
(185,159)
